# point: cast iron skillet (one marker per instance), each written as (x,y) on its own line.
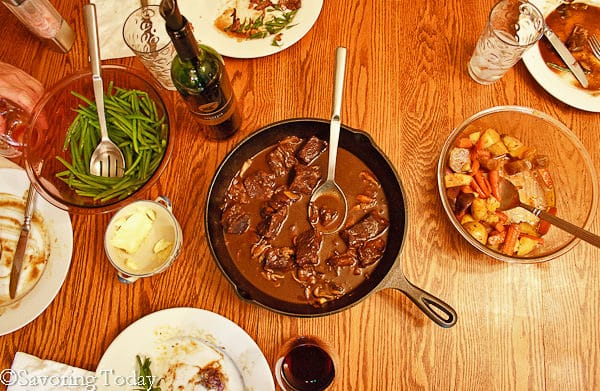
(388,272)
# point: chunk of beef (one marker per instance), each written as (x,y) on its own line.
(307,245)
(279,258)
(323,216)
(367,228)
(371,251)
(234,219)
(290,4)
(306,178)
(311,150)
(211,377)
(348,258)
(281,159)
(270,226)
(236,192)
(260,185)
(371,185)
(280,199)
(577,41)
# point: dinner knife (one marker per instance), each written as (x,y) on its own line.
(566,56)
(15,271)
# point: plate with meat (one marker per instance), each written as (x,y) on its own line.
(47,256)
(573,23)
(184,348)
(251,28)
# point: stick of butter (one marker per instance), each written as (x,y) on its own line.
(130,234)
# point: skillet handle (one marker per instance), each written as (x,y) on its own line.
(436,309)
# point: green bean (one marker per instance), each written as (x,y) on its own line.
(133,124)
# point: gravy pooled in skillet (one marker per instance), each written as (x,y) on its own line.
(268,233)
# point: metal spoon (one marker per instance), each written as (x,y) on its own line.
(107,159)
(329,193)
(509,198)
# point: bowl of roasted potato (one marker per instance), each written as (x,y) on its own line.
(541,157)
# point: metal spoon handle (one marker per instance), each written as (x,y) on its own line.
(338,88)
(565,225)
(91,28)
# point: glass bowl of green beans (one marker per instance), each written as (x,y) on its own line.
(63,132)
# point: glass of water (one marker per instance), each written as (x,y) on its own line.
(513,27)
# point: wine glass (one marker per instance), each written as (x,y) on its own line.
(305,363)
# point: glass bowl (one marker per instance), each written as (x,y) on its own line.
(574,178)
(49,153)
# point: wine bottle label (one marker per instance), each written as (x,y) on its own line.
(212,114)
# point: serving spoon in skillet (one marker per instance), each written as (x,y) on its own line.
(329,197)
(509,198)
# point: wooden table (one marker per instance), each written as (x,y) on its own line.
(519,326)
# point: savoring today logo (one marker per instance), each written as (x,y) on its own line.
(32,380)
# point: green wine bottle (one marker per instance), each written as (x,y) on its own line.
(199,74)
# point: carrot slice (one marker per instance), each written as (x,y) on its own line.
(545,177)
(478,189)
(483,183)
(544,226)
(464,142)
(512,234)
(494,177)
(475,166)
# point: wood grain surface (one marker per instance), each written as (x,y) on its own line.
(520,327)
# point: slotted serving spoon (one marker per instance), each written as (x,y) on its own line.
(107,159)
(510,198)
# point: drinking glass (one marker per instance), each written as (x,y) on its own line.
(513,27)
(145,34)
(305,363)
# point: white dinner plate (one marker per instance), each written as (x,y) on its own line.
(201,14)
(118,366)
(207,33)
(562,87)
(58,223)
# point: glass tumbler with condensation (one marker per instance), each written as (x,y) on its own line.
(145,34)
(513,27)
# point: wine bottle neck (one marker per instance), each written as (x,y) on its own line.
(185,44)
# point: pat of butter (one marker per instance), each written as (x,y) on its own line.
(162,245)
(131,232)
(130,263)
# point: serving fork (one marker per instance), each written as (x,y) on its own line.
(107,159)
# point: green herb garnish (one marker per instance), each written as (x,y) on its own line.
(145,378)
(557,67)
(259,28)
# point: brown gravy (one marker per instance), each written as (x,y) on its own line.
(563,21)
(354,177)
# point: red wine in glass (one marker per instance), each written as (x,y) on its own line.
(306,365)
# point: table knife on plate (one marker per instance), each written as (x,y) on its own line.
(15,271)
(566,56)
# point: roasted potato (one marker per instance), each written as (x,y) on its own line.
(477,230)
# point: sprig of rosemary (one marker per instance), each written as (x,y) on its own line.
(259,28)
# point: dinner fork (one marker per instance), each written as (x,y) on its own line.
(594,43)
